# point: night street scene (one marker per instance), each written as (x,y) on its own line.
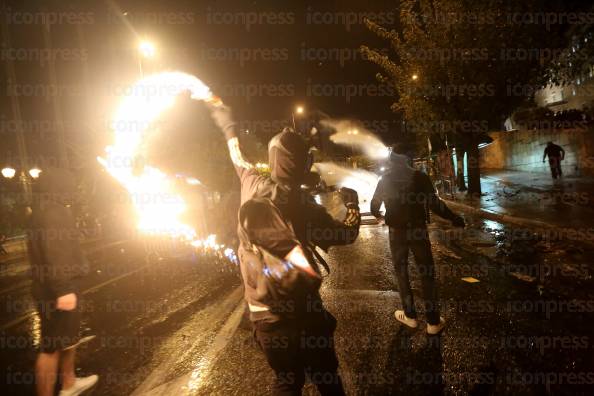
(224,197)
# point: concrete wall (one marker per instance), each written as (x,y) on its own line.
(523,150)
(573,96)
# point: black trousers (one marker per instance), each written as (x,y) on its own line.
(555,164)
(299,349)
(416,240)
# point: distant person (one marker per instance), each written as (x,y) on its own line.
(2,241)
(56,263)
(406,193)
(556,154)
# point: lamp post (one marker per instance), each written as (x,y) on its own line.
(147,50)
(299,110)
(8,172)
(34,172)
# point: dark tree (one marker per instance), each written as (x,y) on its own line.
(460,67)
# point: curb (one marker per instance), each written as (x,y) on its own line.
(501,218)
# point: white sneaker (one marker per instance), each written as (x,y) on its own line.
(401,317)
(80,385)
(436,329)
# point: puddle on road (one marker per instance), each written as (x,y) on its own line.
(534,256)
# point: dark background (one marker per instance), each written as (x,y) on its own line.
(183,32)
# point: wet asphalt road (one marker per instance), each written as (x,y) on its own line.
(176,326)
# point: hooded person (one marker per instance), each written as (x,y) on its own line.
(409,195)
(278,219)
(57,262)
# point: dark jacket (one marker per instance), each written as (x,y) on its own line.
(553,151)
(407,195)
(53,241)
(311,223)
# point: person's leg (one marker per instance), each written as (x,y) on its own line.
(421,248)
(553,166)
(46,372)
(321,363)
(559,171)
(67,374)
(281,348)
(399,248)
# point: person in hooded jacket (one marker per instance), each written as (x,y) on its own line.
(408,194)
(56,263)
(296,339)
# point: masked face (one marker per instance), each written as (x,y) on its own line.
(289,158)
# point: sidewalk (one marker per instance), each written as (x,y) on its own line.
(533,199)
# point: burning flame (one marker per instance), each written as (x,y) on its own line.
(157,205)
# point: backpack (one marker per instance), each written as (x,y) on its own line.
(272,281)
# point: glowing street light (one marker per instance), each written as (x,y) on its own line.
(34,173)
(8,172)
(299,110)
(147,49)
(415,77)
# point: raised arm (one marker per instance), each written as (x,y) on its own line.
(223,118)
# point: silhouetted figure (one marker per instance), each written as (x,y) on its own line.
(407,193)
(556,154)
(57,264)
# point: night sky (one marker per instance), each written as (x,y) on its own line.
(262,57)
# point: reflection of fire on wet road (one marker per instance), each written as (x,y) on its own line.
(158,206)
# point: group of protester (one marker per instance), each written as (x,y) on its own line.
(280,228)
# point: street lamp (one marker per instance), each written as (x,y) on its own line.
(147,50)
(34,172)
(8,172)
(299,110)
(415,77)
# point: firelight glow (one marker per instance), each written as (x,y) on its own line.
(157,205)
